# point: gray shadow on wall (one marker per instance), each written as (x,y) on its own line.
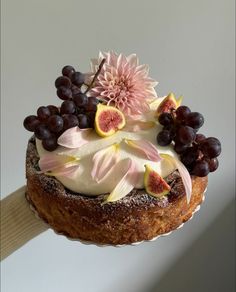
(209,264)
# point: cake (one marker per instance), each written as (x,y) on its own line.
(115,164)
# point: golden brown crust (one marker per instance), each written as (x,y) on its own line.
(134,218)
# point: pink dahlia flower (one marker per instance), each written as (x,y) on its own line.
(123,83)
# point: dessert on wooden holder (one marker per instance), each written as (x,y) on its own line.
(115,164)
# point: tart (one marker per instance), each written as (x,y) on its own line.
(114,164)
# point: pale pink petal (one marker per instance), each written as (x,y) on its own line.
(103,162)
(127,182)
(64,171)
(146,148)
(74,137)
(133,60)
(58,164)
(50,162)
(186,178)
(136,125)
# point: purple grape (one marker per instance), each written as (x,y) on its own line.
(77,78)
(171,129)
(91,117)
(200,138)
(75,90)
(42,132)
(31,122)
(166,119)
(50,144)
(53,109)
(164,138)
(63,81)
(83,121)
(189,156)
(211,147)
(186,135)
(70,121)
(213,164)
(92,104)
(67,107)
(179,147)
(64,93)
(194,120)
(43,113)
(182,113)
(81,100)
(68,71)
(55,123)
(201,168)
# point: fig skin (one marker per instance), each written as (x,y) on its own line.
(154,184)
(169,103)
(112,116)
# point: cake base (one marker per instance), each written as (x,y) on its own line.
(134,218)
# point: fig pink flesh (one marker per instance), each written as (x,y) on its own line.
(109,120)
(155,183)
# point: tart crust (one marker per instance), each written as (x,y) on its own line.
(134,218)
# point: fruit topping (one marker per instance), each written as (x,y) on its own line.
(43,113)
(69,121)
(211,147)
(55,123)
(154,184)
(77,78)
(108,120)
(64,93)
(77,109)
(68,71)
(63,81)
(31,122)
(180,126)
(164,138)
(168,104)
(182,112)
(201,168)
(186,134)
(194,120)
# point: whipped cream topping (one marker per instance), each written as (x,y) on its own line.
(82,181)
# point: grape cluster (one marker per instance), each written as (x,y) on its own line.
(198,153)
(77,109)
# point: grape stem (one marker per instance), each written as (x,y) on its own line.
(96,75)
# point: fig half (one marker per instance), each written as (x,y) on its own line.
(154,184)
(169,103)
(108,120)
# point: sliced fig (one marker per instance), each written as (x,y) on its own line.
(154,184)
(168,103)
(108,120)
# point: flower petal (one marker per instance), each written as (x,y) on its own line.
(126,81)
(51,162)
(64,171)
(127,182)
(133,60)
(137,125)
(145,147)
(74,137)
(104,161)
(186,178)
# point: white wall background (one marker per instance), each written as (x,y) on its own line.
(189,46)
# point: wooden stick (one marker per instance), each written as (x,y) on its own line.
(18,223)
